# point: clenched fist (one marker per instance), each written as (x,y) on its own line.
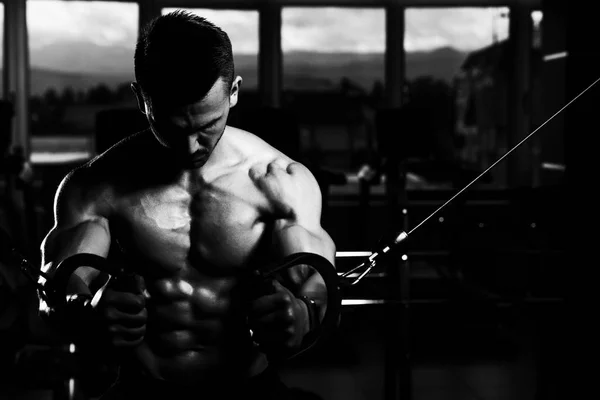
(278,319)
(292,190)
(122,312)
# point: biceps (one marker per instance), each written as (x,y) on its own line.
(91,236)
(296,239)
(303,279)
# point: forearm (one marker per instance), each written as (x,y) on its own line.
(87,237)
(304,282)
(290,238)
(314,290)
(64,302)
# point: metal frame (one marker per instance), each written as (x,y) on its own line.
(340,3)
(16,73)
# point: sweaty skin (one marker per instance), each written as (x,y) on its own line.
(193,235)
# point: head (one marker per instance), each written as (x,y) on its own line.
(185,83)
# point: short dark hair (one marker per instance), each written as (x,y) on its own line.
(179,56)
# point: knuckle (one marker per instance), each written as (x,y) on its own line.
(289,330)
(293,167)
(110,314)
(116,342)
(288,315)
(138,301)
(131,333)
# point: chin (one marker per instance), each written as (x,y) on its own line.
(195,164)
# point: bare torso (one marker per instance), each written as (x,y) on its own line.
(194,237)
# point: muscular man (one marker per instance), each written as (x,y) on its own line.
(193,205)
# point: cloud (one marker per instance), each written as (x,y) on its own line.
(100,22)
(362,30)
(324,29)
(1,34)
(461,28)
(331,29)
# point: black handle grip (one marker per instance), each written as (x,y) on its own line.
(55,289)
(334,297)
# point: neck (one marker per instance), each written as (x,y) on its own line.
(222,156)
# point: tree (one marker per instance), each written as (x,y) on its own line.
(68,96)
(100,94)
(51,96)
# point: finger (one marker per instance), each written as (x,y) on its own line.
(275,167)
(126,319)
(124,333)
(270,286)
(140,283)
(273,335)
(269,303)
(265,287)
(122,342)
(274,320)
(261,179)
(294,168)
(122,300)
(266,336)
(278,287)
(255,173)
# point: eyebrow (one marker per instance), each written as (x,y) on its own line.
(204,126)
(211,122)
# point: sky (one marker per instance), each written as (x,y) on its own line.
(315,29)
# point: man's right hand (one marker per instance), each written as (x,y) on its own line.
(122,307)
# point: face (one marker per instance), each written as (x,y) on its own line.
(192,131)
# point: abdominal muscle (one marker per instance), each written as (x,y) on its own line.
(194,251)
(197,332)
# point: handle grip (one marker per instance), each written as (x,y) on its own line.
(334,296)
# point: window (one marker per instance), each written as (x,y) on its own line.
(1,49)
(537,65)
(322,46)
(333,77)
(242,28)
(81,57)
(456,85)
(536,19)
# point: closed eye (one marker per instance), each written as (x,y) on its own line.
(200,129)
(209,125)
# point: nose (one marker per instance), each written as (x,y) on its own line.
(193,144)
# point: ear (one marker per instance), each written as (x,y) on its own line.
(235,90)
(137,91)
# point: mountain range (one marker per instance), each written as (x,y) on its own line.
(81,65)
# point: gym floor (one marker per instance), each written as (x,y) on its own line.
(457,351)
(495,356)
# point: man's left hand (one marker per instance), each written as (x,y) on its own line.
(278,319)
(292,191)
